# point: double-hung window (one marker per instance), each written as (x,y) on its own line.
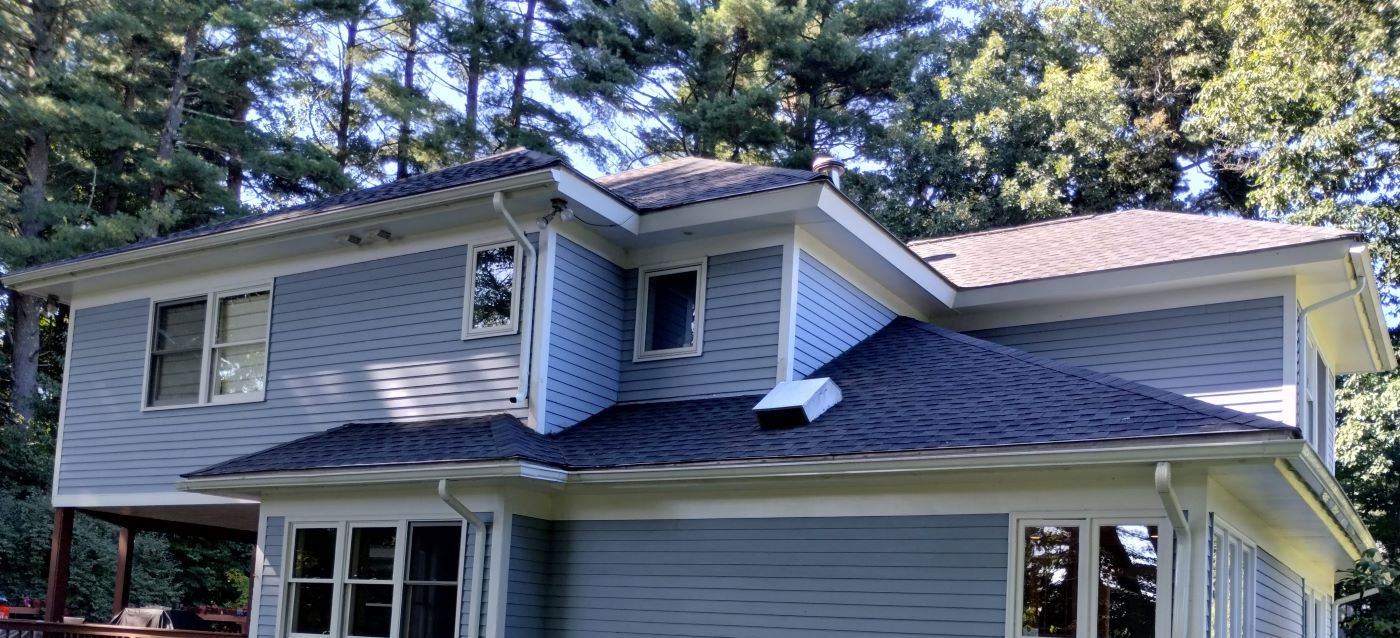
(493,290)
(374,580)
(209,349)
(1099,578)
(670,312)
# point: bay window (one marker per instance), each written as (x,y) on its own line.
(208,349)
(374,580)
(1098,578)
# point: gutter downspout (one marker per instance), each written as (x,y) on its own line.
(1182,532)
(527,294)
(478,557)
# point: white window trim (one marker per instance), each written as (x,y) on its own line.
(1246,570)
(1088,593)
(340,612)
(513,325)
(644,276)
(211,312)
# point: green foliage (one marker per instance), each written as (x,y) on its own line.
(1375,615)
(1368,450)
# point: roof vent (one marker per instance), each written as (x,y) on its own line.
(829,166)
(793,403)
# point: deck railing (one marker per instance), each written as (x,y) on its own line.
(40,629)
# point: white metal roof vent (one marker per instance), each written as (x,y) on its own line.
(793,403)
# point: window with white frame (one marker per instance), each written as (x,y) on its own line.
(1232,568)
(670,311)
(1319,615)
(374,580)
(1093,578)
(208,349)
(1316,396)
(493,290)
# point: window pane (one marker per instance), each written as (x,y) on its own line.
(1127,581)
(179,325)
(311,608)
(314,555)
(240,369)
(243,317)
(430,611)
(433,552)
(670,311)
(372,553)
(1051,581)
(175,378)
(371,610)
(493,285)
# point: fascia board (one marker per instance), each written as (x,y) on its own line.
(1107,281)
(1308,476)
(33,279)
(1186,449)
(588,194)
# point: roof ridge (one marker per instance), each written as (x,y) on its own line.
(1113,381)
(696,158)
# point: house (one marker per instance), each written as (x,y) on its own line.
(706,399)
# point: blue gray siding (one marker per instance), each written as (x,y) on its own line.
(1229,354)
(889,576)
(373,340)
(465,621)
(832,315)
(270,583)
(585,336)
(1278,603)
(740,349)
(527,598)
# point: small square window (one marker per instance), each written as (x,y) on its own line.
(493,290)
(670,312)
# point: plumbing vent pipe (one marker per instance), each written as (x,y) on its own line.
(829,166)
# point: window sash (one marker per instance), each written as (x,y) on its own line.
(641,325)
(1087,594)
(342,584)
(208,350)
(469,328)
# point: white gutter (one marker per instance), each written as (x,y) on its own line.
(336,216)
(478,556)
(1088,454)
(527,295)
(1181,530)
(1370,310)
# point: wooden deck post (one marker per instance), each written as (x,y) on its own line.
(60,552)
(121,594)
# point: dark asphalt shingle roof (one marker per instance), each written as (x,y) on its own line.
(664,185)
(910,387)
(694,179)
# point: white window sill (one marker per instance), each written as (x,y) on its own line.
(664,355)
(208,404)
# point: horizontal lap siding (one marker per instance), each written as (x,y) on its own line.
(585,336)
(527,597)
(1278,603)
(270,584)
(375,340)
(740,348)
(773,578)
(832,315)
(1229,354)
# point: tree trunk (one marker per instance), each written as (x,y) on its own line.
(175,107)
(410,57)
(33,198)
(517,91)
(116,164)
(347,89)
(474,69)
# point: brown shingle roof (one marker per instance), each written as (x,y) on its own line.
(1108,241)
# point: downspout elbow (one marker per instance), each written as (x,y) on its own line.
(1181,531)
(478,556)
(527,297)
